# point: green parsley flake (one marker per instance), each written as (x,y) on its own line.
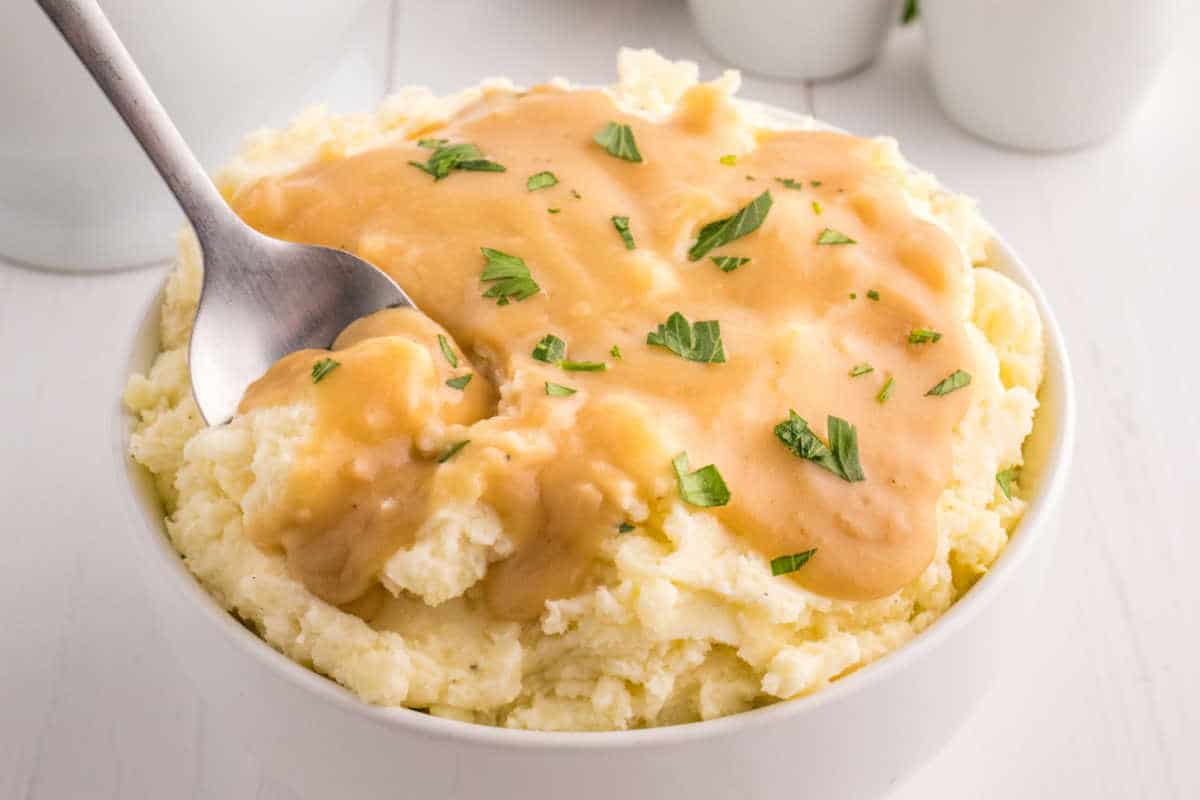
(873,295)
(782,565)
(550,349)
(452,451)
(729,263)
(622,226)
(723,231)
(1005,478)
(816,207)
(558,390)
(861,369)
(460,382)
(923,336)
(854,295)
(583,366)
(618,141)
(791,183)
(432,144)
(886,391)
(911,9)
(841,455)
(576,195)
(448,157)
(951,383)
(815,184)
(729,161)
(624,527)
(700,342)
(830,236)
(511,276)
(444,343)
(553,210)
(705,487)
(542,180)
(323,367)
(616,352)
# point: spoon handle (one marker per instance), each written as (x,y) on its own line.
(97,45)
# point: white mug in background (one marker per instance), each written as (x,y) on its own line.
(1043,75)
(77,193)
(810,39)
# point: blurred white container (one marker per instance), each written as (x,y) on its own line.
(77,193)
(796,38)
(1044,75)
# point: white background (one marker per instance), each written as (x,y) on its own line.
(1104,701)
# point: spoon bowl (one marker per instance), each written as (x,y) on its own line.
(262,298)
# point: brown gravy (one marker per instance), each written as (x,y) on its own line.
(559,470)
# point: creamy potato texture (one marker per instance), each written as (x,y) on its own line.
(435,523)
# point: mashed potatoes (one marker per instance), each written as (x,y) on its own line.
(684,620)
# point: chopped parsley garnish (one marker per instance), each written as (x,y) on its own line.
(911,9)
(558,390)
(624,527)
(618,141)
(840,456)
(791,183)
(729,263)
(951,383)
(873,295)
(448,157)
(616,352)
(323,367)
(432,144)
(542,180)
(861,369)
(729,161)
(723,231)
(816,207)
(550,349)
(830,236)
(815,184)
(704,487)
(1005,479)
(700,342)
(511,276)
(622,226)
(886,391)
(923,336)
(453,451)
(854,295)
(553,210)
(576,194)
(782,565)
(460,382)
(444,343)
(583,366)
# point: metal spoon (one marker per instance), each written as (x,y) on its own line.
(262,298)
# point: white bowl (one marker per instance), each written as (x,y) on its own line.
(1045,76)
(810,39)
(853,739)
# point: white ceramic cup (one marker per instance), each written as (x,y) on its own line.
(76,192)
(810,39)
(852,740)
(1043,75)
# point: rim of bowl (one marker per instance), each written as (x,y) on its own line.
(1026,535)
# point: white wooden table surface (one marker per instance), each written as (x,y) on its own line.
(1105,702)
